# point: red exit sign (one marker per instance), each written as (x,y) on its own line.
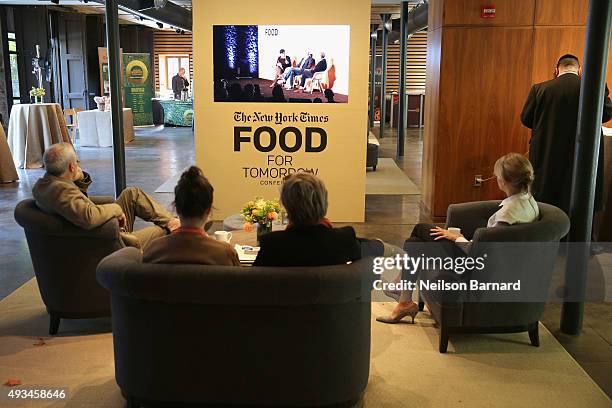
(488,12)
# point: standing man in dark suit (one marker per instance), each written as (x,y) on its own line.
(179,83)
(551,111)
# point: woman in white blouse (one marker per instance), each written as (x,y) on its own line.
(514,175)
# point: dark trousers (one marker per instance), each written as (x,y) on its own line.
(137,203)
(307,73)
(422,243)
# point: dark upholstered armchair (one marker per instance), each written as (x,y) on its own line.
(528,253)
(372,156)
(222,335)
(65,257)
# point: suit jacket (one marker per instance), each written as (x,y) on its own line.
(321,66)
(551,111)
(190,248)
(285,62)
(179,84)
(314,245)
(306,63)
(56,195)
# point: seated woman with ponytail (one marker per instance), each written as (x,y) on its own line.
(514,175)
(189,244)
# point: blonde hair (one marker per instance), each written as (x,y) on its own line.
(304,196)
(516,170)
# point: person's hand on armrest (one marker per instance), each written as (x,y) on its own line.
(122,220)
(440,233)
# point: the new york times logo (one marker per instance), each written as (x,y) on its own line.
(412,264)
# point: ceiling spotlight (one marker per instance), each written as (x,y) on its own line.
(182,31)
(178,31)
(56,2)
(160,25)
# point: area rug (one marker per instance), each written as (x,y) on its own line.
(388,179)
(406,369)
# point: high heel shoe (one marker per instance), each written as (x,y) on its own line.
(411,311)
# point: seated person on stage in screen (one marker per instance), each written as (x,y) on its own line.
(290,73)
(63,191)
(179,83)
(514,175)
(283,62)
(309,73)
(310,239)
(189,244)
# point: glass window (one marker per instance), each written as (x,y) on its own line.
(169,65)
(12,46)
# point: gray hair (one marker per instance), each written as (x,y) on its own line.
(58,157)
(304,196)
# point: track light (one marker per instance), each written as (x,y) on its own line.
(178,31)
(160,25)
(56,2)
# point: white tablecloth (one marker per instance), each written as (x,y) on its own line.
(8,173)
(95,128)
(33,128)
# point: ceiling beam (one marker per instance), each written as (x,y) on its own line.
(171,14)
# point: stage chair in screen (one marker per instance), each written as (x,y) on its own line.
(325,79)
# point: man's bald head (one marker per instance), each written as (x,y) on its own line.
(58,158)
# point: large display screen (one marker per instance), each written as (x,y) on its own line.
(281,63)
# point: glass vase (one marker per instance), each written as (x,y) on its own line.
(38,99)
(263,229)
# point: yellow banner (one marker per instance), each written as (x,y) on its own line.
(246,143)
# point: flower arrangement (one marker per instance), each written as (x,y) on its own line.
(103,102)
(261,212)
(37,93)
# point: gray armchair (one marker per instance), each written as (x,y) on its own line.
(531,247)
(65,258)
(372,156)
(221,335)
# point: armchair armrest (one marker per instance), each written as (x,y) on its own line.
(470,216)
(102,199)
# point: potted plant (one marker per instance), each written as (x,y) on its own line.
(37,94)
(261,213)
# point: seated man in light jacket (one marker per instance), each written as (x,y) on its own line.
(63,191)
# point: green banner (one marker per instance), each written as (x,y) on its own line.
(137,86)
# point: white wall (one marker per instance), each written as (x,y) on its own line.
(334,40)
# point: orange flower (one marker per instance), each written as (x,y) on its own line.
(12,382)
(272,215)
(254,211)
(248,227)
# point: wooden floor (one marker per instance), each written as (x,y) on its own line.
(158,153)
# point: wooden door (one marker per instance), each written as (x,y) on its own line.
(72,57)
